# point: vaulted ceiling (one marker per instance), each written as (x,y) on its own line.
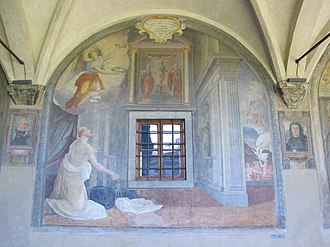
(44,32)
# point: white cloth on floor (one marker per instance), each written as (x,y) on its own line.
(69,197)
(136,206)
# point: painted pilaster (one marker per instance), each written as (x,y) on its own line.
(186,75)
(234,186)
(132,77)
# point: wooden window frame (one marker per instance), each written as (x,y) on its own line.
(161,156)
(133,116)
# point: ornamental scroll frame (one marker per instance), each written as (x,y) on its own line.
(161,28)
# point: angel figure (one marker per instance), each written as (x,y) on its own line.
(89,80)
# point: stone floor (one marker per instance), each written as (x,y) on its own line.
(188,208)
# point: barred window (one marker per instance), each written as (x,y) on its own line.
(160,149)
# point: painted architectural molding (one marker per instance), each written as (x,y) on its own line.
(293,94)
(160,72)
(26,94)
(160,28)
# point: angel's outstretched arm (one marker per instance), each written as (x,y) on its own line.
(114,51)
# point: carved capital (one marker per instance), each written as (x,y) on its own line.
(293,94)
(26,94)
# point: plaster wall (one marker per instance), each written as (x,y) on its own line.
(303,226)
(108,12)
(16,190)
(303,212)
(78,20)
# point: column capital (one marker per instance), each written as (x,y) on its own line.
(293,94)
(134,49)
(228,69)
(26,94)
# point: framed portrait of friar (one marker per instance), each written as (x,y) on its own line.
(295,135)
(21,132)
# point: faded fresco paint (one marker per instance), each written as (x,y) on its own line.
(95,88)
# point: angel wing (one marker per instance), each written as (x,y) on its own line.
(100,56)
(78,66)
(99,51)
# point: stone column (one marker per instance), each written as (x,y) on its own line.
(234,184)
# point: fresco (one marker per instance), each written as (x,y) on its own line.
(324,108)
(94,79)
(89,124)
(256,129)
(160,76)
(325,118)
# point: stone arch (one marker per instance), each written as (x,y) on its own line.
(4,106)
(319,143)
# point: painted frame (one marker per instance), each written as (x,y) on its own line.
(296,135)
(160,76)
(21,132)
